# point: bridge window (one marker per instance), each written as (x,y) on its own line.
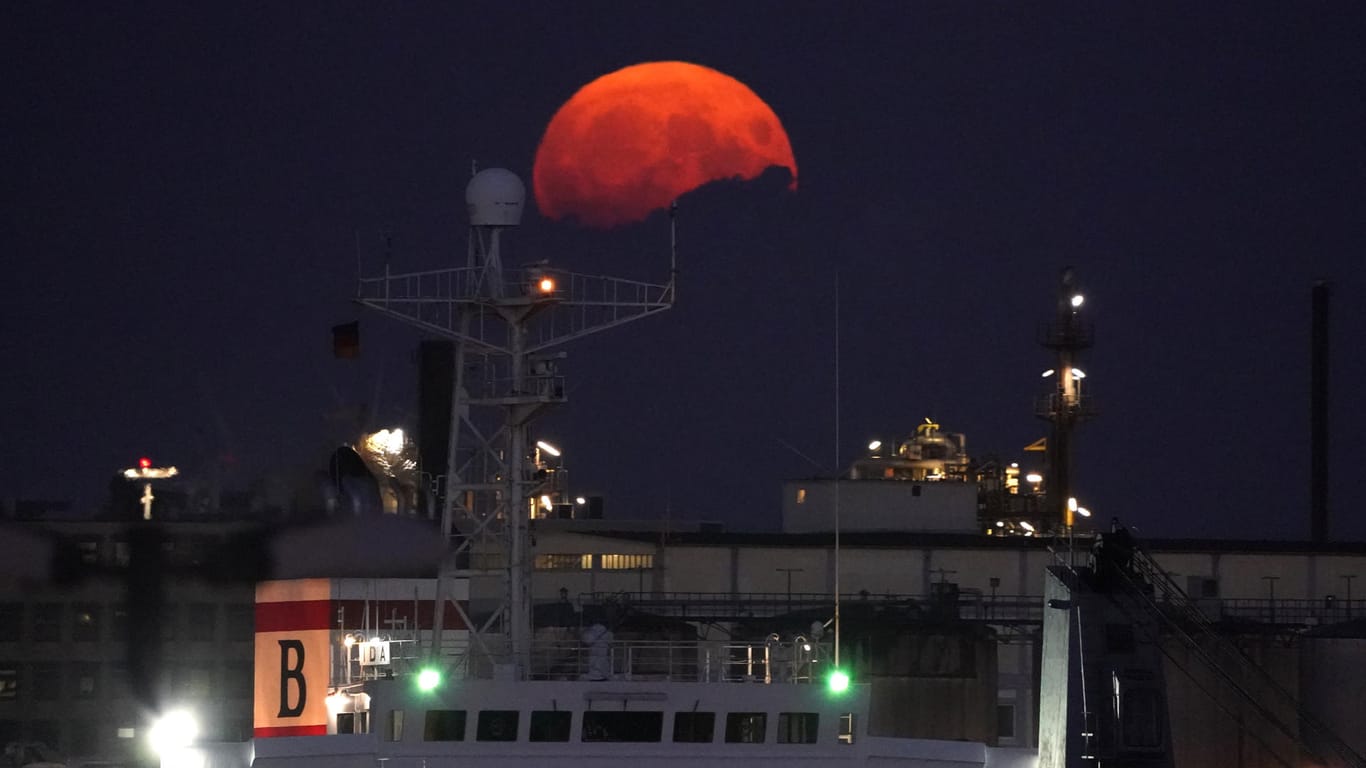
(549,725)
(394,731)
(353,722)
(497,725)
(444,725)
(797,727)
(746,727)
(622,726)
(695,727)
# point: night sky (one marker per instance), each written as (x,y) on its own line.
(185,189)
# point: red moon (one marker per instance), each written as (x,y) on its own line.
(632,141)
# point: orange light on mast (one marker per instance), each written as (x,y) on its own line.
(546,285)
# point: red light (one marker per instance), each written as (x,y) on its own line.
(144,462)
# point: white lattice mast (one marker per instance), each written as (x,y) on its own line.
(505,321)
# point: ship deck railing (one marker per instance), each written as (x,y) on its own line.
(798,660)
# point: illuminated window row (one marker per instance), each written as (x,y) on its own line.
(584,562)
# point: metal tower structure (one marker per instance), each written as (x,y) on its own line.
(1067,335)
(507,323)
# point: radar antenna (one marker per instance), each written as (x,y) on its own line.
(505,321)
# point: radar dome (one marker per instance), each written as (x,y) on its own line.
(495,197)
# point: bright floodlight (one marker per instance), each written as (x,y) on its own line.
(1071,503)
(1077,300)
(1000,523)
(1083,511)
(548,448)
(1025,524)
(874,445)
(580,500)
(546,502)
(1046,373)
(1078,373)
(839,681)
(428,679)
(1034,477)
(172,731)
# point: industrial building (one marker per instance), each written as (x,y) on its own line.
(967,610)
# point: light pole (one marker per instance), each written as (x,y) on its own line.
(1271,595)
(1347,579)
(789,572)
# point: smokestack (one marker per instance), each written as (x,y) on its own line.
(1318,415)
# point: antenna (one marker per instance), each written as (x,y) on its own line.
(504,320)
(673,250)
(837,469)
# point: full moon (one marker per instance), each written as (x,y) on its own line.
(632,141)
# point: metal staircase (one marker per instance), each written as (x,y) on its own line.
(1257,690)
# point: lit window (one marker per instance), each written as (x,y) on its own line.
(801,495)
(627,562)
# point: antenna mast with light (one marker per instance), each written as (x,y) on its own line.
(506,321)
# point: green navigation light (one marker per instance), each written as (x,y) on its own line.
(428,679)
(838,681)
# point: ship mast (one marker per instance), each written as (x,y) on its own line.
(505,322)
